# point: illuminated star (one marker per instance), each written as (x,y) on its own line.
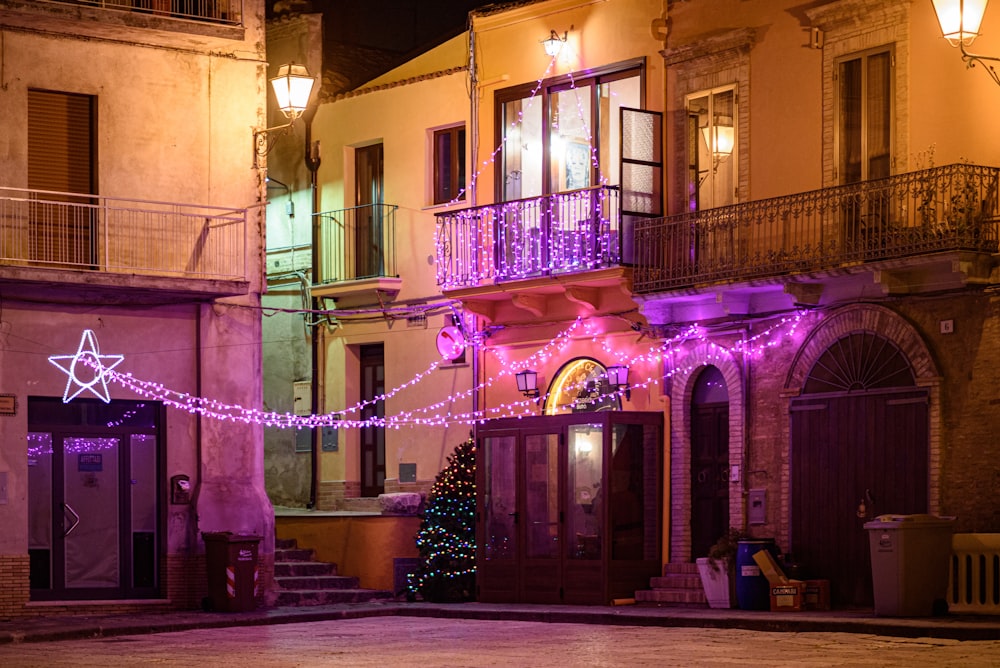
(89,356)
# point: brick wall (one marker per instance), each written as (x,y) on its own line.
(14,587)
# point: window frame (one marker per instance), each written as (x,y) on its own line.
(593,78)
(456,172)
(838,139)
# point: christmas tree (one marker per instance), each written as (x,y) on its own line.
(447,536)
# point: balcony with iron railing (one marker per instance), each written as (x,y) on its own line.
(356,252)
(918,214)
(551,235)
(221,12)
(158,242)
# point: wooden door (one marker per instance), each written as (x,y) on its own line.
(372,436)
(709,475)
(854,457)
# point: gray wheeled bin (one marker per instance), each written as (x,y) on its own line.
(910,559)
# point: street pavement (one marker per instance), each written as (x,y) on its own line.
(425,635)
(432,642)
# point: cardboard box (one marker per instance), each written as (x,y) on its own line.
(787,597)
(770,568)
(817,595)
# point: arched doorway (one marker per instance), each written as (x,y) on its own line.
(709,460)
(859,448)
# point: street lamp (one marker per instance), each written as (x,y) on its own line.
(959,21)
(617,375)
(292,87)
(527,382)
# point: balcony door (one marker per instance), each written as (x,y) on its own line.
(369,197)
(62,226)
(372,436)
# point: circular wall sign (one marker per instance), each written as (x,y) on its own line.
(450,343)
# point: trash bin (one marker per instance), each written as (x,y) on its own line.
(753,591)
(231,565)
(910,555)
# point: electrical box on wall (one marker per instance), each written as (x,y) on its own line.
(757,506)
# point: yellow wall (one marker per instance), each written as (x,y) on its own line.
(362,547)
(400,110)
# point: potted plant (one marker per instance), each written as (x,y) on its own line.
(718,569)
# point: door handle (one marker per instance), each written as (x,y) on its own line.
(76,519)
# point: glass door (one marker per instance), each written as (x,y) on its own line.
(93,508)
(89,513)
(542,529)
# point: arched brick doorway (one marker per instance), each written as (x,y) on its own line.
(859,444)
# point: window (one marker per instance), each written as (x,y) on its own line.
(711,148)
(864,116)
(567,136)
(449,164)
(61,146)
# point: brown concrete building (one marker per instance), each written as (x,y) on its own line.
(129,208)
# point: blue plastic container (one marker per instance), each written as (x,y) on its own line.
(753,592)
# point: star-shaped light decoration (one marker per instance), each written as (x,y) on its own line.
(89,357)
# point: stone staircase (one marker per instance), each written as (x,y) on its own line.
(305,581)
(680,585)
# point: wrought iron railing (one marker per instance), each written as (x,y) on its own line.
(227,12)
(939,209)
(552,234)
(357,243)
(73,231)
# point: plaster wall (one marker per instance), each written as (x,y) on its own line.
(401,113)
(175,102)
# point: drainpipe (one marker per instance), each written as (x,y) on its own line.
(472,189)
(312,161)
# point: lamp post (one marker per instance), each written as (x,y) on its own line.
(959,21)
(292,87)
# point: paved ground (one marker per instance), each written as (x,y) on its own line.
(424,642)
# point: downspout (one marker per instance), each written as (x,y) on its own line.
(472,190)
(312,161)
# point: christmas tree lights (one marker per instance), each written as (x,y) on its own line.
(446,540)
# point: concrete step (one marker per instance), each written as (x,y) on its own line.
(300,569)
(293,554)
(285,543)
(318,582)
(672,596)
(680,568)
(361,504)
(685,581)
(295,597)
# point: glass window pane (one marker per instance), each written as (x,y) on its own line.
(584,519)
(499,501)
(541,512)
(614,95)
(40,509)
(879,115)
(570,136)
(850,121)
(522,149)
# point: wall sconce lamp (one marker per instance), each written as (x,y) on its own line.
(720,137)
(618,379)
(959,21)
(527,383)
(554,44)
(292,87)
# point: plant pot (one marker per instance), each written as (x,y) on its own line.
(718,583)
